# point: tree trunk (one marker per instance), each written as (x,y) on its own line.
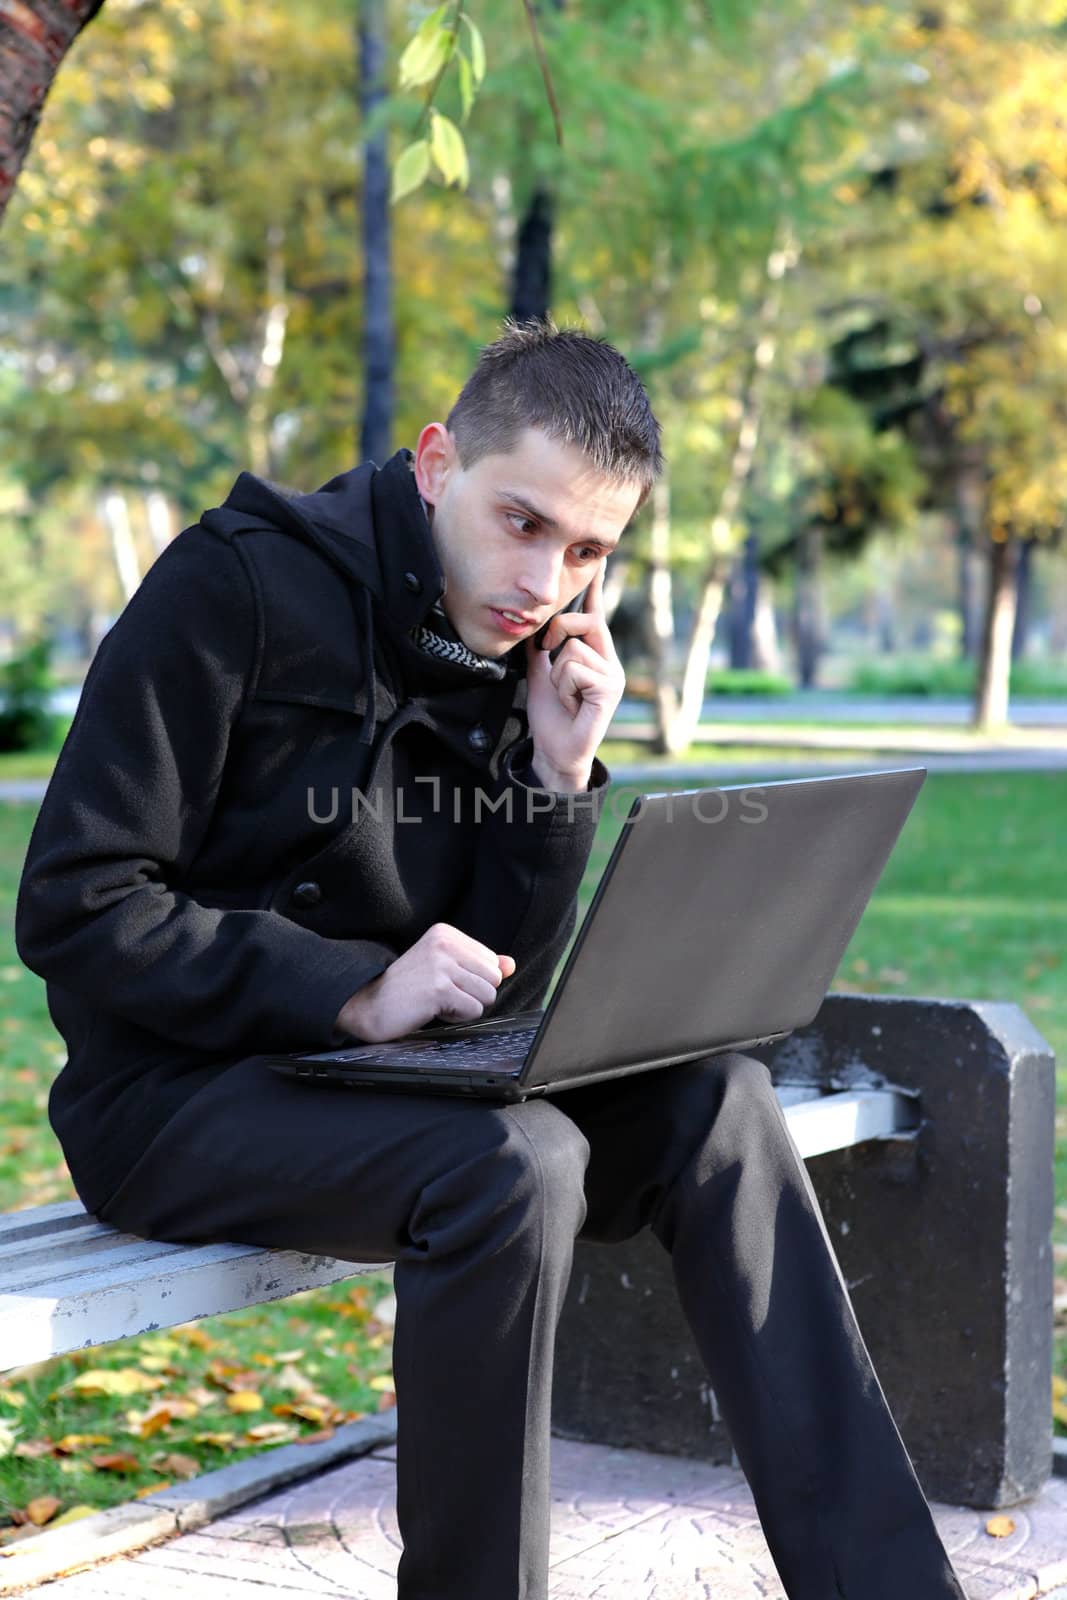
(531,284)
(807,610)
(115,510)
(1024,583)
(531,294)
(375,442)
(969,512)
(766,651)
(744,598)
(994,666)
(159,514)
(661,614)
(780,259)
(35,35)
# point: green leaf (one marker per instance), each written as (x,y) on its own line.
(427,51)
(411,169)
(466,86)
(449,150)
(477,50)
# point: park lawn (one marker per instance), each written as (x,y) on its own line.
(973,904)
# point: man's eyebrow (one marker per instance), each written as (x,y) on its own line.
(549,522)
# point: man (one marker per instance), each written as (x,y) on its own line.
(323,783)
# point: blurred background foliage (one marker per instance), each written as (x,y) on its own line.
(831,243)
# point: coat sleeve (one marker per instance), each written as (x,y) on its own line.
(129,802)
(533,847)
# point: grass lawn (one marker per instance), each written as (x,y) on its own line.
(973,904)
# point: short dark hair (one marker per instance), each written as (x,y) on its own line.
(572,385)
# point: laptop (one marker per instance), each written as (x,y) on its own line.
(718,924)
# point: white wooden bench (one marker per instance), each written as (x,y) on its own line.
(68,1281)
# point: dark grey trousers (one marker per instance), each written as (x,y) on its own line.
(479,1205)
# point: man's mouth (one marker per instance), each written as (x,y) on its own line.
(512,622)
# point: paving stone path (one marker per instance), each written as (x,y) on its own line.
(624,1522)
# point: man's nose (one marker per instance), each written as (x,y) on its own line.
(541,579)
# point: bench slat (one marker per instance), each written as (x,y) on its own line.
(68,1280)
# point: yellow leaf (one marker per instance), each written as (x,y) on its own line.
(193,1334)
(221,1441)
(411,169)
(271,1432)
(75,1514)
(426,52)
(1000,1527)
(43,1509)
(288,1355)
(244,1400)
(308,1412)
(72,1442)
(12,1397)
(383,1382)
(115,1381)
(151,1488)
(449,151)
(477,50)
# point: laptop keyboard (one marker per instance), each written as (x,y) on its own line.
(487,1051)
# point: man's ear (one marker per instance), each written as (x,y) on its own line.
(435,455)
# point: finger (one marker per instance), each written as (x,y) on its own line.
(577,650)
(470,952)
(507,965)
(594,595)
(576,682)
(472,983)
(459,1007)
(573,624)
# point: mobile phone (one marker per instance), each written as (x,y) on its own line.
(574,605)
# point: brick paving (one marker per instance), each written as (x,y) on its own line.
(652,1527)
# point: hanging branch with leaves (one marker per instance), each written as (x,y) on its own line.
(426,59)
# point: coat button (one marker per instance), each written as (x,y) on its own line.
(413,583)
(307,894)
(478,739)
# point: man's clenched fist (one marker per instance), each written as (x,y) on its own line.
(446,974)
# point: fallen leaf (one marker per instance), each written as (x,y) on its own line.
(151,1488)
(315,1438)
(118,1461)
(30,1449)
(309,1413)
(75,1514)
(73,1442)
(244,1400)
(386,1402)
(180,1466)
(1000,1527)
(288,1355)
(42,1509)
(271,1433)
(383,1381)
(114,1380)
(221,1441)
(192,1333)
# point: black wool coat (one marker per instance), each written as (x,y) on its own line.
(267,794)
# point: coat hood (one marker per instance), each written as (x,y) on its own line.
(370,524)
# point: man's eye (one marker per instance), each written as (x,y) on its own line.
(589,553)
(517,516)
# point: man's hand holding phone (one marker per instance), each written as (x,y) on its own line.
(570,701)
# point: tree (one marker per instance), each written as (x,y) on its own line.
(34,38)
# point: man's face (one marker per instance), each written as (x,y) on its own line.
(520,534)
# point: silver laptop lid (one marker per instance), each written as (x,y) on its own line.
(722,916)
